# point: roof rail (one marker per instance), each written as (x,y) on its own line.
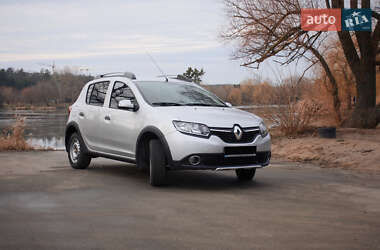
(129,75)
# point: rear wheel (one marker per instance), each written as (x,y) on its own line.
(77,157)
(157,163)
(245,174)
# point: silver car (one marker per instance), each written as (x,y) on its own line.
(163,125)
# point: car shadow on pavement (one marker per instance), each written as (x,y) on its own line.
(186,179)
(118,170)
(210,180)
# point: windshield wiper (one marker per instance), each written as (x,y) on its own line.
(203,104)
(166,104)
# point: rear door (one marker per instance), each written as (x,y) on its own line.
(120,126)
(90,120)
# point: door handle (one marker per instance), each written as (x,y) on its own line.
(107,118)
(81,114)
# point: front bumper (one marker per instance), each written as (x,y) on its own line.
(212,152)
(182,146)
(221,162)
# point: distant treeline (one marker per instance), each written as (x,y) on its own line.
(19,88)
(19,79)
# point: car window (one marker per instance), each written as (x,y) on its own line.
(177,94)
(89,91)
(120,92)
(98,93)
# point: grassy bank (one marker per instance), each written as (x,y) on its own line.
(62,106)
(354,149)
(13,137)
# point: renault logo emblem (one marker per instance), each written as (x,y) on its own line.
(238,132)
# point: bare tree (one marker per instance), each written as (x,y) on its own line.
(271,28)
(342,72)
(235,96)
(362,61)
(10,95)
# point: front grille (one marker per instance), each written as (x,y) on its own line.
(220,160)
(227,135)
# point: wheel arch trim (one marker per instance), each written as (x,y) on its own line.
(157,132)
(68,132)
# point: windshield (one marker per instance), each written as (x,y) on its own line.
(177,94)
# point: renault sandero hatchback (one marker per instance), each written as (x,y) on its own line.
(162,126)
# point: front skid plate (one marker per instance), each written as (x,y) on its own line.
(216,168)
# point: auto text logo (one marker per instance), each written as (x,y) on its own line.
(336,19)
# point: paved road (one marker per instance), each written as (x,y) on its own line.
(111,206)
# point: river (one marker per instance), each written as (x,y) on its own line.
(44,129)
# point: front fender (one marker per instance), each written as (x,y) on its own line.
(157,132)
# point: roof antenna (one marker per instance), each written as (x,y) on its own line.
(158,67)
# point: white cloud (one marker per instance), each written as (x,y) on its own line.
(183,33)
(63,29)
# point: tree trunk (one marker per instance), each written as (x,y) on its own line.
(333,84)
(349,97)
(364,115)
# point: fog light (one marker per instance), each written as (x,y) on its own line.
(194,160)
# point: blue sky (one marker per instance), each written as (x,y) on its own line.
(107,36)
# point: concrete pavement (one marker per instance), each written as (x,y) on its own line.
(44,204)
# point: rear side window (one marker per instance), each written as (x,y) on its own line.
(97,93)
(89,91)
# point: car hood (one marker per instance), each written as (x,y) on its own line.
(211,116)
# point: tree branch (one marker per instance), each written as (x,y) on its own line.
(334,85)
(376,36)
(354,4)
(375,15)
(303,74)
(328,4)
(366,4)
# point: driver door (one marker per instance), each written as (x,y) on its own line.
(120,126)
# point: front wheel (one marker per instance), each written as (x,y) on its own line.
(245,174)
(77,157)
(157,163)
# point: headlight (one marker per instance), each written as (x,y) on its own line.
(192,128)
(263,129)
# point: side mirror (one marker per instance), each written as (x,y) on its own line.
(126,104)
(228,104)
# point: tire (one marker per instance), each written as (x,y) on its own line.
(143,158)
(77,156)
(245,174)
(157,163)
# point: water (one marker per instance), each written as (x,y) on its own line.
(44,129)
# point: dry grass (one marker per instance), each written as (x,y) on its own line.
(355,149)
(13,137)
(294,118)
